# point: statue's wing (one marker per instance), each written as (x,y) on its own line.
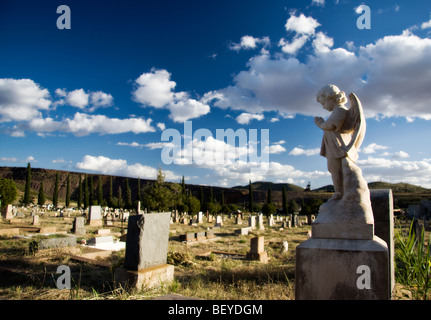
(355,121)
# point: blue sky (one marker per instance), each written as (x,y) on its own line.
(97,97)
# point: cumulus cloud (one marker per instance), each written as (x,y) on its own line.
(245,118)
(86,101)
(155,89)
(121,167)
(372,148)
(22,100)
(77,98)
(301,24)
(249,42)
(83,124)
(297,151)
(390,77)
(391,170)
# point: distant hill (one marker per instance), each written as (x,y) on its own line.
(398,188)
(263,186)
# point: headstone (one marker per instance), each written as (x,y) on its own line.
(260,222)
(95,216)
(52,243)
(147,240)
(188,237)
(145,264)
(35,220)
(383,210)
(243,231)
(285,246)
(200,217)
(238,219)
(99,240)
(78,226)
(210,234)
(102,232)
(125,216)
(252,222)
(219,221)
(257,250)
(271,221)
(200,236)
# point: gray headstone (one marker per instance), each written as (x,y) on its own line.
(147,240)
(95,213)
(78,225)
(383,211)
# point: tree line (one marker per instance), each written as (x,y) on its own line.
(157,196)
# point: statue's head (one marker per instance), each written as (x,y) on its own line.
(331,93)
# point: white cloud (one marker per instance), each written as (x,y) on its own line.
(101,99)
(161,126)
(120,167)
(301,24)
(318,2)
(22,100)
(249,42)
(381,169)
(61,160)
(426,25)
(83,124)
(29,158)
(133,144)
(372,148)
(297,151)
(245,118)
(157,145)
(274,149)
(322,43)
(293,47)
(155,89)
(400,155)
(5,159)
(86,101)
(390,77)
(78,98)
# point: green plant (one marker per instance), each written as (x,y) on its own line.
(413,263)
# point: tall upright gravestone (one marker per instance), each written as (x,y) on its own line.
(147,242)
(343,259)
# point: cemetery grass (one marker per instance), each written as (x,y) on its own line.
(213,269)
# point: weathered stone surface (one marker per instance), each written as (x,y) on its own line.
(327,269)
(383,210)
(147,240)
(145,279)
(52,243)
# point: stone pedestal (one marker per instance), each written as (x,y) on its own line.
(342,269)
(145,279)
(344,258)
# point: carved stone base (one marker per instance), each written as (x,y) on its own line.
(145,279)
(336,269)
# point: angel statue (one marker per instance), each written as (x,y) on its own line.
(343,134)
